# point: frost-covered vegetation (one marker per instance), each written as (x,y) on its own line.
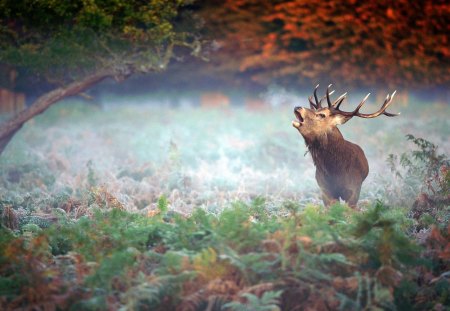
(196,157)
(137,207)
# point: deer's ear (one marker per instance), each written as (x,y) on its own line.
(340,119)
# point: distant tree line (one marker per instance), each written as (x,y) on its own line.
(395,43)
(74,45)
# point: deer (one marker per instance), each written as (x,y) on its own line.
(341,166)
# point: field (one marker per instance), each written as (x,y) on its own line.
(135,206)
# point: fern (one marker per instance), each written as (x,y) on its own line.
(370,295)
(381,232)
(253,266)
(237,228)
(163,204)
(150,294)
(421,170)
(240,259)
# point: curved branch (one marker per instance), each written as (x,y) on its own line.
(9,128)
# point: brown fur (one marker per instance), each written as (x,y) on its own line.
(341,166)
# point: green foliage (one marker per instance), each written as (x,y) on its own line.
(100,236)
(68,40)
(112,266)
(382,233)
(315,222)
(236,226)
(163,204)
(33,228)
(423,183)
(245,258)
(75,243)
(421,170)
(371,296)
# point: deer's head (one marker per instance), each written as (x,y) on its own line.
(317,121)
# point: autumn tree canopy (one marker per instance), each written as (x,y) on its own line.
(76,44)
(394,43)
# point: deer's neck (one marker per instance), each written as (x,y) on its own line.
(326,148)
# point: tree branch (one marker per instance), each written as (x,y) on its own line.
(9,128)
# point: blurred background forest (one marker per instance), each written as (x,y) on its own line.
(255,60)
(147,157)
(252,45)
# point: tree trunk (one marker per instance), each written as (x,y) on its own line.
(10,128)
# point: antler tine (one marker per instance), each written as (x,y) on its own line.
(386,104)
(337,103)
(382,110)
(356,111)
(328,96)
(390,101)
(318,103)
(311,104)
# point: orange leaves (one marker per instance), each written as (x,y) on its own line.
(153,212)
(103,198)
(208,266)
(9,218)
(390,13)
(388,276)
(41,282)
(222,287)
(25,250)
(441,242)
(349,284)
(12,250)
(396,43)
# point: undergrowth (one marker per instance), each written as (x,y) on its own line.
(422,181)
(88,240)
(245,258)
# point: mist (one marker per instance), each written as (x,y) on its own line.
(197,154)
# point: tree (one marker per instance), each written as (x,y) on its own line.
(364,43)
(76,44)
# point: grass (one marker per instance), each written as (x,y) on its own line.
(199,158)
(144,208)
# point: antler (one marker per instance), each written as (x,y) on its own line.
(318,103)
(356,112)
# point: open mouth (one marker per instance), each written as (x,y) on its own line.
(298,123)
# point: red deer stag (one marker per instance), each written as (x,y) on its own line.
(341,166)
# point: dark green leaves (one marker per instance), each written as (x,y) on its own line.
(70,39)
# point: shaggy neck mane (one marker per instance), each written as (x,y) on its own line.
(326,150)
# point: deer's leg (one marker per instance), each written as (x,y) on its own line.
(352,197)
(328,195)
(328,199)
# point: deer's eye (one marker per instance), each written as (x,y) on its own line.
(321,116)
